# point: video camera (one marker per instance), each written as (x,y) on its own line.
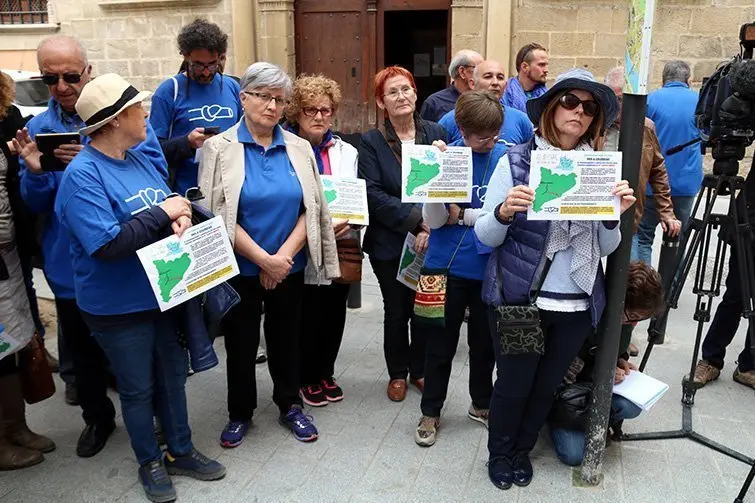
(725,113)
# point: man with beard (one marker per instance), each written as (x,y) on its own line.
(532,68)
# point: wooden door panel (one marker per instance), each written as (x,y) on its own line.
(330,43)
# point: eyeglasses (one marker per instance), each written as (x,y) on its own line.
(312,111)
(405,91)
(200,67)
(267,98)
(484,140)
(51,79)
(571,102)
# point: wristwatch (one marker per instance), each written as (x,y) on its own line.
(461,217)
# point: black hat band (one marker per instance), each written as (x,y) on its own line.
(130,93)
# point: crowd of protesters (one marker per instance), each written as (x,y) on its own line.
(253,151)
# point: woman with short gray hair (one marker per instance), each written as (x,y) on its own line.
(265,184)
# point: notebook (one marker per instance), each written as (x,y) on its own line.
(641,389)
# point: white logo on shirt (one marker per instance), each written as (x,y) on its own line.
(149,197)
(210,113)
(481,192)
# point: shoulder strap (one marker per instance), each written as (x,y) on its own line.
(536,291)
(175,97)
(398,158)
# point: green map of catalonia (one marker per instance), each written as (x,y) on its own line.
(4,346)
(420,174)
(171,273)
(407,259)
(552,186)
(330,196)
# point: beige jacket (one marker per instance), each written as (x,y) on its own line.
(221,175)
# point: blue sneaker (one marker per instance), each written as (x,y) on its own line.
(299,423)
(233,433)
(195,465)
(156,482)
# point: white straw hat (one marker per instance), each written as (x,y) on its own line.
(104,98)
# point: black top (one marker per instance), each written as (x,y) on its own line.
(439,104)
(390,219)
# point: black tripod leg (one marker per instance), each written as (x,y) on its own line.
(746,486)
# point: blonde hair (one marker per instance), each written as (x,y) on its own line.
(7,93)
(547,125)
(308,88)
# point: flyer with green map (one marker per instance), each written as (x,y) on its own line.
(571,185)
(431,176)
(410,264)
(346,198)
(179,269)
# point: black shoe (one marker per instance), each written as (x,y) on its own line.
(71,396)
(500,473)
(522,469)
(93,439)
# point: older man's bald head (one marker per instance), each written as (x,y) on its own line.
(64,57)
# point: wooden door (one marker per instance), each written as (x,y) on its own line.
(329,41)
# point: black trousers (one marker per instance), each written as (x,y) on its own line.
(402,356)
(441,348)
(523,392)
(241,328)
(8,365)
(89,363)
(725,323)
(322,323)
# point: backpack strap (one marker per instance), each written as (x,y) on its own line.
(175,97)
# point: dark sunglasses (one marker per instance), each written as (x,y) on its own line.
(51,79)
(571,102)
(194,194)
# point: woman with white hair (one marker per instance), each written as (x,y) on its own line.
(265,183)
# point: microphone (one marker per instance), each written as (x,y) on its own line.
(742,78)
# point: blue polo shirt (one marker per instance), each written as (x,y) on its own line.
(196,105)
(516,127)
(672,108)
(271,198)
(470,260)
(38,192)
(96,195)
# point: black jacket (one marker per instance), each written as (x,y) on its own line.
(390,219)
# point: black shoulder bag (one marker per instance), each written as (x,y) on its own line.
(519,326)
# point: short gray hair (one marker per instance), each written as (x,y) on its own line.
(263,74)
(615,77)
(62,39)
(462,58)
(676,71)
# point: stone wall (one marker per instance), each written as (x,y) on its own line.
(134,38)
(591,33)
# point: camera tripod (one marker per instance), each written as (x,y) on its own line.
(696,243)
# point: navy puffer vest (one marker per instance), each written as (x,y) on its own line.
(510,272)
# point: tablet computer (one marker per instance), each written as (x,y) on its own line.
(48,142)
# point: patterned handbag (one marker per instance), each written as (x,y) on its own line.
(430,299)
(519,326)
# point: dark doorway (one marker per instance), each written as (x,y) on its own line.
(418,41)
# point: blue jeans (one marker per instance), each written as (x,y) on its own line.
(642,243)
(570,444)
(150,367)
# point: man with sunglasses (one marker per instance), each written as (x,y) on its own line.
(516,128)
(200,101)
(65,70)
(460,70)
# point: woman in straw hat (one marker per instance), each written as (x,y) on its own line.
(114,200)
(564,254)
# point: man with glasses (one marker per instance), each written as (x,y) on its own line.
(516,128)
(460,69)
(199,102)
(65,70)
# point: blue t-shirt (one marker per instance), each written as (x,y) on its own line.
(197,105)
(472,256)
(38,192)
(672,108)
(516,127)
(271,198)
(96,195)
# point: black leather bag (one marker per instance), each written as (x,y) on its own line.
(519,326)
(569,410)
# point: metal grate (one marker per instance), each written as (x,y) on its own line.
(23,11)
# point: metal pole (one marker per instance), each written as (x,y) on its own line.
(666,263)
(630,143)
(355,296)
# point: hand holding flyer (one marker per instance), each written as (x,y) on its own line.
(410,263)
(571,185)
(431,176)
(182,268)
